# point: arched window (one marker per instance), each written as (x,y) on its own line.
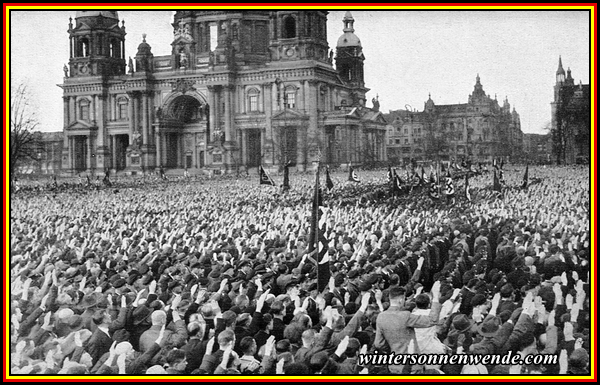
(290,97)
(84,48)
(115,49)
(289,27)
(84,109)
(253,100)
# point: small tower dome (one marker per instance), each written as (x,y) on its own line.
(348,39)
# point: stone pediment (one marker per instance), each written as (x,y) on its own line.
(288,114)
(378,117)
(81,125)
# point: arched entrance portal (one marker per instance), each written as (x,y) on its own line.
(183,129)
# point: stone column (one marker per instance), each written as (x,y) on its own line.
(266,136)
(227,113)
(136,113)
(275,102)
(89,152)
(212,100)
(158,148)
(93,109)
(145,119)
(244,148)
(72,115)
(99,102)
(314,136)
(113,152)
(130,115)
(65,111)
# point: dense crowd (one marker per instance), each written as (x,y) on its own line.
(191,276)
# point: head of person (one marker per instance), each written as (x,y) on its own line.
(248,346)
(158,318)
(397,296)
(308,338)
(225,339)
(422,301)
(176,359)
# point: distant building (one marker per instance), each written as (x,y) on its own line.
(571,124)
(239,89)
(537,149)
(479,130)
(46,150)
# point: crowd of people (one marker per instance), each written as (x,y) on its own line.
(214,277)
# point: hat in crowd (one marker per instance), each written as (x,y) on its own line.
(462,323)
(75,321)
(478,299)
(141,314)
(353,274)
(64,314)
(119,283)
(89,300)
(579,358)
(260,269)
(506,290)
(489,326)
(287,282)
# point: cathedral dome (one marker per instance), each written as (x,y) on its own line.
(144,48)
(108,14)
(348,39)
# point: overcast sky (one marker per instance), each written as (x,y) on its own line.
(409,54)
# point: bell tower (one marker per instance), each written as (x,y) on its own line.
(299,35)
(97,44)
(349,59)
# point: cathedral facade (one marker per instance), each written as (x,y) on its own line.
(240,89)
(479,130)
(570,124)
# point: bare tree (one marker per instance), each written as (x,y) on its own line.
(25,145)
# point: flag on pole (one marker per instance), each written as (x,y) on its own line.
(352,177)
(265,178)
(424,180)
(467,192)
(328,181)
(497,186)
(433,187)
(286,176)
(449,190)
(390,176)
(525,178)
(318,241)
(398,184)
(501,163)
(495,164)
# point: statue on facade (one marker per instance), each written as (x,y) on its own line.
(330,60)
(130,65)
(183,60)
(66,71)
(375,103)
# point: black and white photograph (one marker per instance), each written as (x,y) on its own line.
(345,192)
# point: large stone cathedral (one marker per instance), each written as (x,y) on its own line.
(240,89)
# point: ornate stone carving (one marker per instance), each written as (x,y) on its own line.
(183,85)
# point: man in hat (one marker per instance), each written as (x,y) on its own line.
(395,326)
